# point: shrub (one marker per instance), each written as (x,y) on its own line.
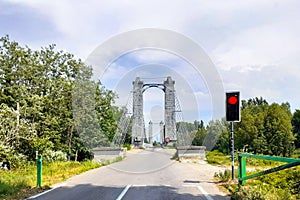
(223,176)
(14,158)
(51,156)
(128,146)
(247,193)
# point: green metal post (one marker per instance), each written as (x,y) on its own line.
(39,163)
(242,170)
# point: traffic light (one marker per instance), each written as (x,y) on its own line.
(233,106)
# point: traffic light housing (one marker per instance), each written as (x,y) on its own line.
(233,106)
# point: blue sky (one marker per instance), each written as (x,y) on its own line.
(254,44)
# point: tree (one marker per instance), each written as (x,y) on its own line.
(199,133)
(40,87)
(104,100)
(214,131)
(265,128)
(296,127)
(199,137)
(278,130)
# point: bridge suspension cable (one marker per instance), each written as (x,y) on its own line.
(184,138)
(120,135)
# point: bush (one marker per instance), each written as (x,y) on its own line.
(128,146)
(261,192)
(51,156)
(14,158)
(223,176)
(247,193)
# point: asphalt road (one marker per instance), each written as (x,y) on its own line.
(144,175)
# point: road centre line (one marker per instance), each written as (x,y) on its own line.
(205,193)
(123,192)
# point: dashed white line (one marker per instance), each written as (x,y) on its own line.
(205,193)
(123,192)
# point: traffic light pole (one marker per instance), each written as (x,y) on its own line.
(232,150)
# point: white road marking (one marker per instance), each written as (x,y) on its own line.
(189,185)
(166,185)
(205,193)
(139,185)
(123,192)
(40,194)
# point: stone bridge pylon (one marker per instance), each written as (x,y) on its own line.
(138,126)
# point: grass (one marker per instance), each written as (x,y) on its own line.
(21,183)
(282,185)
(218,158)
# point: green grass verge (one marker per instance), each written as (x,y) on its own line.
(21,183)
(218,158)
(282,185)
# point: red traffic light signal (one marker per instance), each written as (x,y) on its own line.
(233,100)
(167,140)
(233,106)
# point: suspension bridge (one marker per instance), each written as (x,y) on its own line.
(134,110)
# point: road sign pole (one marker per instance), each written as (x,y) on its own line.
(39,164)
(232,149)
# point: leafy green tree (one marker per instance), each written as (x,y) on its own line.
(296,127)
(199,133)
(214,131)
(37,90)
(199,137)
(265,128)
(189,126)
(278,130)
(104,100)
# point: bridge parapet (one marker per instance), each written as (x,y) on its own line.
(108,153)
(194,152)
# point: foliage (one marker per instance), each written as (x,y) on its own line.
(190,126)
(288,179)
(284,184)
(214,130)
(218,158)
(296,127)
(51,156)
(264,129)
(223,176)
(37,92)
(199,136)
(262,192)
(128,146)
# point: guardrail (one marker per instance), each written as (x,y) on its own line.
(242,173)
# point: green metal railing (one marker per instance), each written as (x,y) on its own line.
(242,173)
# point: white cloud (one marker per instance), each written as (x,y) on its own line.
(258,47)
(254,43)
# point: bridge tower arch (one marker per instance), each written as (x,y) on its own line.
(138,126)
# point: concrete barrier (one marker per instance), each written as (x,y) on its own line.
(186,152)
(108,153)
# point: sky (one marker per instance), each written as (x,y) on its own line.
(254,45)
